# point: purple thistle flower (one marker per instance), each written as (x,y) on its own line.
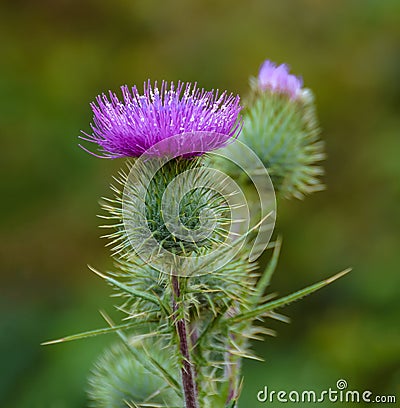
(130,127)
(277,79)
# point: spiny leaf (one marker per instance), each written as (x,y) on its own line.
(93,333)
(261,310)
(143,295)
(265,278)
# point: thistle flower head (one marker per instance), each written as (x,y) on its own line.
(128,128)
(281,127)
(277,79)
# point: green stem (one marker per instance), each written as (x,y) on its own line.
(189,386)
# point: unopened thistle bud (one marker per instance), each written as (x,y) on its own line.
(119,380)
(281,126)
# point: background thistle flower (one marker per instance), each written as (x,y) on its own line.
(278,80)
(281,126)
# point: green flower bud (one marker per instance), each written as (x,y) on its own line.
(284,133)
(118,380)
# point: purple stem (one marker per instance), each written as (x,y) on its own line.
(189,386)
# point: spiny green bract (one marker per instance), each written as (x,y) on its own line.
(197,201)
(284,133)
(199,206)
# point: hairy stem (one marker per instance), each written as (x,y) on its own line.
(189,386)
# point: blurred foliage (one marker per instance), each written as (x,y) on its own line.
(56,56)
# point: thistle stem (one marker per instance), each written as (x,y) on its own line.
(189,386)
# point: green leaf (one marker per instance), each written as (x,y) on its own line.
(127,289)
(265,278)
(93,333)
(261,310)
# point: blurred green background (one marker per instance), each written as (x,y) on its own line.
(56,56)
